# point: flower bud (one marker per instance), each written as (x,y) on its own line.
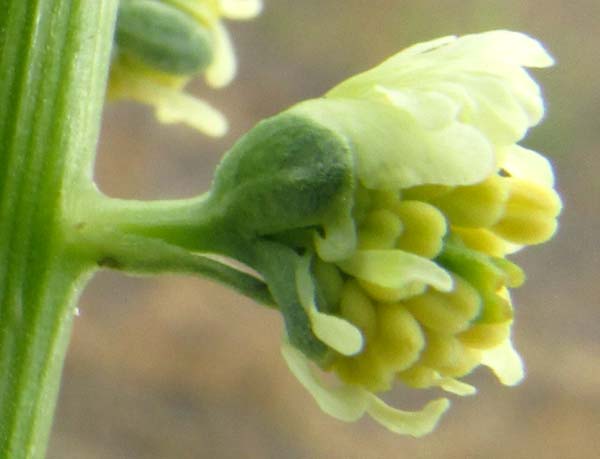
(163,37)
(162,44)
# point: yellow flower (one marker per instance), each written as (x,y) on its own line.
(161,45)
(415,267)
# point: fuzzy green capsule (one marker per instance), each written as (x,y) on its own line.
(163,37)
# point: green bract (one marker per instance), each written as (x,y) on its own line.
(163,37)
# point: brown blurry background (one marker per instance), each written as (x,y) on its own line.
(175,367)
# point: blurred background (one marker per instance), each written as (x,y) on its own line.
(177,367)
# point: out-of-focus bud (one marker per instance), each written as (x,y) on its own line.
(160,45)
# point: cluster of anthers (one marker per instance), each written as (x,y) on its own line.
(160,45)
(444,193)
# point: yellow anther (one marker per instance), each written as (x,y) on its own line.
(425,192)
(419,377)
(450,312)
(485,336)
(492,326)
(366,370)
(356,307)
(449,356)
(379,230)
(399,340)
(482,240)
(362,203)
(384,199)
(392,295)
(530,214)
(423,228)
(422,377)
(396,345)
(475,206)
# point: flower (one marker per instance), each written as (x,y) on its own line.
(380,217)
(161,45)
(416,263)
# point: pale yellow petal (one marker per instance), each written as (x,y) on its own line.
(393,151)
(454,386)
(505,362)
(224,66)
(336,332)
(415,423)
(339,240)
(396,269)
(344,402)
(431,109)
(527,164)
(183,108)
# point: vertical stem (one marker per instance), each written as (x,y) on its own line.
(54,58)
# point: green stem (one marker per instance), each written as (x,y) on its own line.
(154,237)
(54,58)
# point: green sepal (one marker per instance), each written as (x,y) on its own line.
(278,265)
(287,173)
(163,37)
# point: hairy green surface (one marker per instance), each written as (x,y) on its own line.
(53,64)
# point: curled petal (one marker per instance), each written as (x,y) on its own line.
(454,386)
(345,402)
(223,68)
(349,403)
(415,423)
(339,241)
(337,333)
(396,269)
(195,112)
(505,362)
(171,104)
(422,377)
